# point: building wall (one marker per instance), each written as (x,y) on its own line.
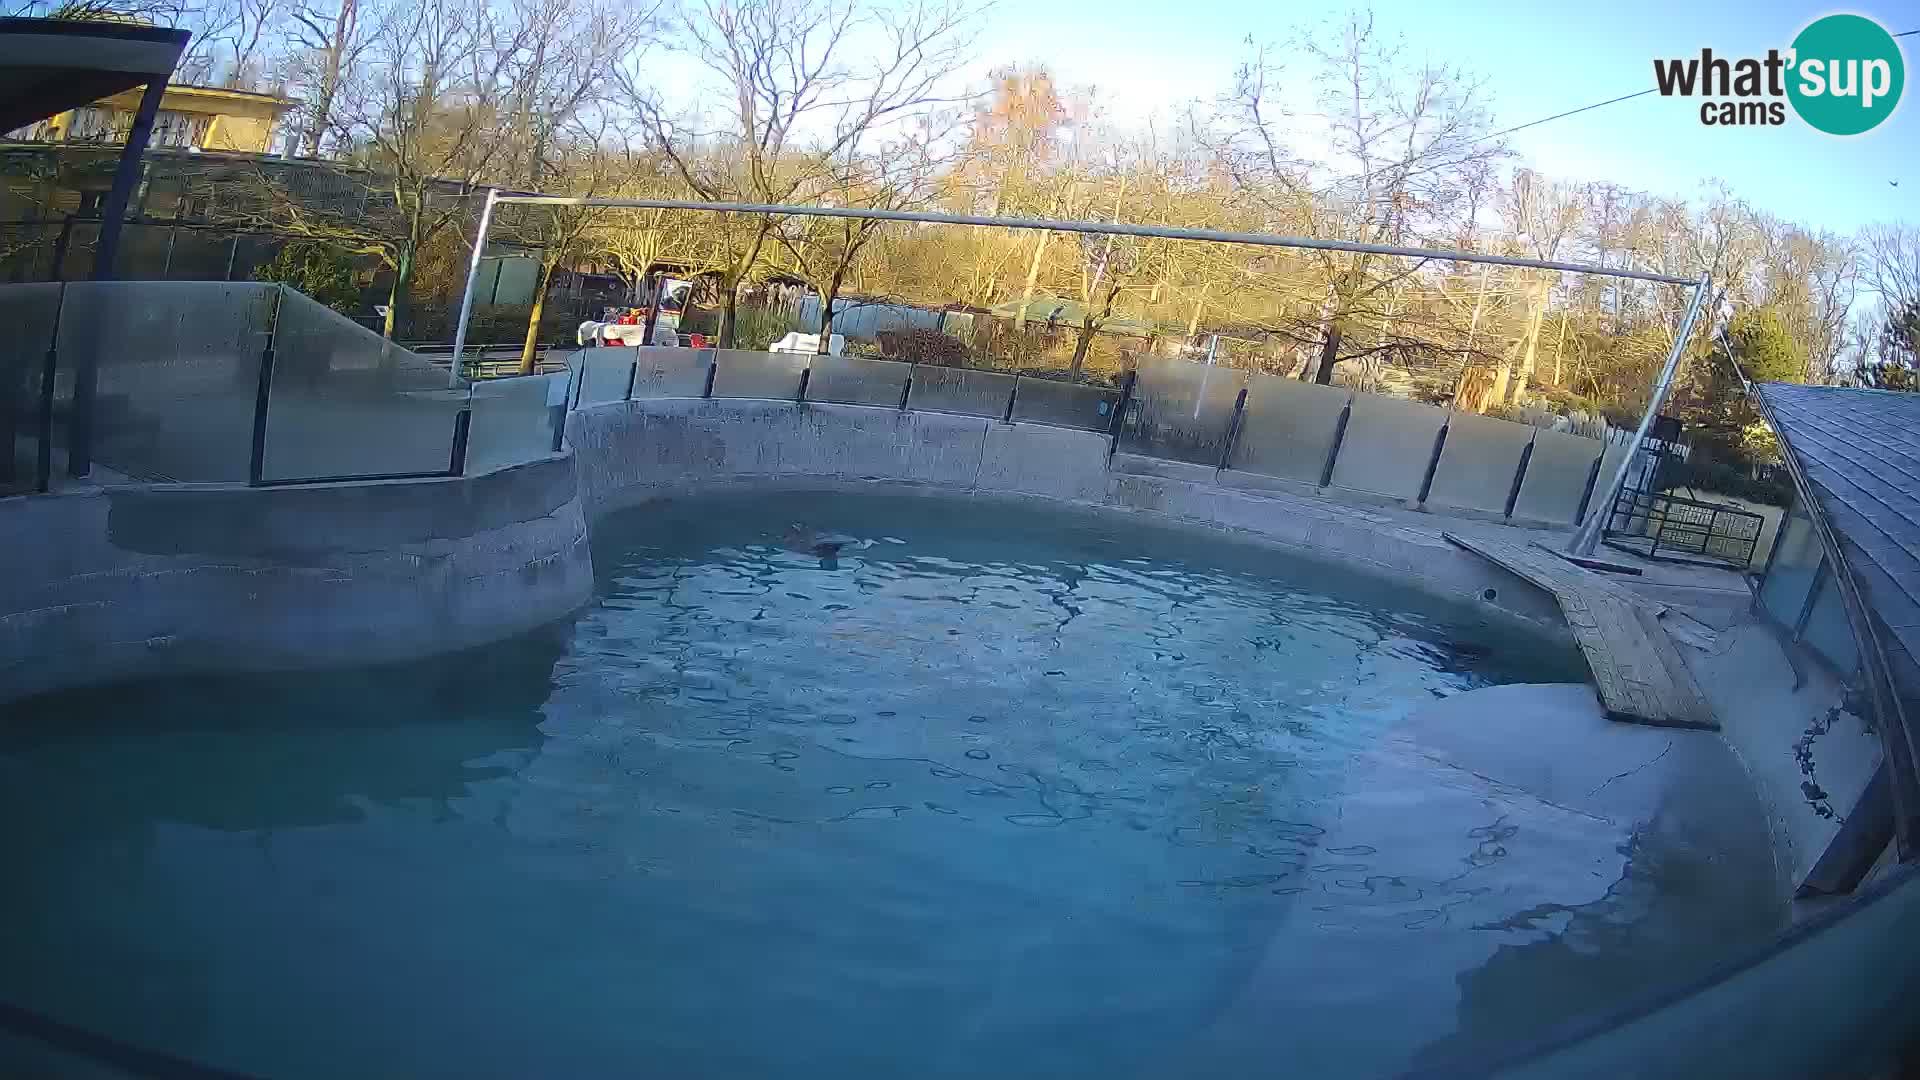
(233,120)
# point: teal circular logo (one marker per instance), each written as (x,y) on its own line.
(1847,74)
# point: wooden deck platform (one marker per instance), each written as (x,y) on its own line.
(1638,670)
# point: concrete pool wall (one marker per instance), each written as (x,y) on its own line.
(629,453)
(116,583)
(119,582)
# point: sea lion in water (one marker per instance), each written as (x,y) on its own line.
(808,541)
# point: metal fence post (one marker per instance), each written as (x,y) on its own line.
(1233,430)
(457,460)
(43,458)
(1433,460)
(633,373)
(800,396)
(1587,537)
(1519,477)
(713,369)
(473,277)
(1333,450)
(1119,416)
(906,387)
(1013,395)
(1586,494)
(263,395)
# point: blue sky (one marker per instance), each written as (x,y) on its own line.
(1152,57)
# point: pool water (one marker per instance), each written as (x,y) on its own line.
(987,791)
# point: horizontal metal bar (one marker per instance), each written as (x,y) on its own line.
(440,474)
(1214,236)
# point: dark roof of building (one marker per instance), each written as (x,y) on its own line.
(48,66)
(1860,451)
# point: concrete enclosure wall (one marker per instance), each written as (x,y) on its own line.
(631,453)
(118,583)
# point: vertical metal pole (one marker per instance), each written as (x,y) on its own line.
(86,370)
(1586,539)
(473,277)
(263,395)
(114,214)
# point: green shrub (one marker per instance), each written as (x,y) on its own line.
(318,269)
(755,328)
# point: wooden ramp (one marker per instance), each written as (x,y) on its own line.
(1639,672)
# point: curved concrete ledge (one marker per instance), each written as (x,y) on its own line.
(118,583)
(126,582)
(631,452)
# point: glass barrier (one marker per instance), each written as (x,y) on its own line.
(1388,445)
(1827,630)
(1288,428)
(1790,574)
(663,372)
(29,311)
(1556,479)
(1610,459)
(346,402)
(853,380)
(1064,404)
(1181,410)
(177,373)
(1479,463)
(1836,997)
(202,255)
(960,390)
(605,374)
(741,374)
(513,420)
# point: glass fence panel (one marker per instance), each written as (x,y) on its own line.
(1181,410)
(347,402)
(1388,445)
(604,375)
(1556,478)
(967,391)
(28,313)
(1064,404)
(742,374)
(1837,998)
(1610,460)
(76,262)
(1827,630)
(512,420)
(1479,462)
(1288,427)
(854,380)
(665,372)
(177,372)
(201,255)
(1796,561)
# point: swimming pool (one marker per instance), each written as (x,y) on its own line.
(832,785)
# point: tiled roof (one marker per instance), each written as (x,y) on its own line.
(1860,450)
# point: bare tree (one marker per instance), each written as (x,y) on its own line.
(806,82)
(327,39)
(897,173)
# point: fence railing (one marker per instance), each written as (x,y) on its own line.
(239,382)
(255,383)
(1222,418)
(1673,528)
(633,373)
(1371,445)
